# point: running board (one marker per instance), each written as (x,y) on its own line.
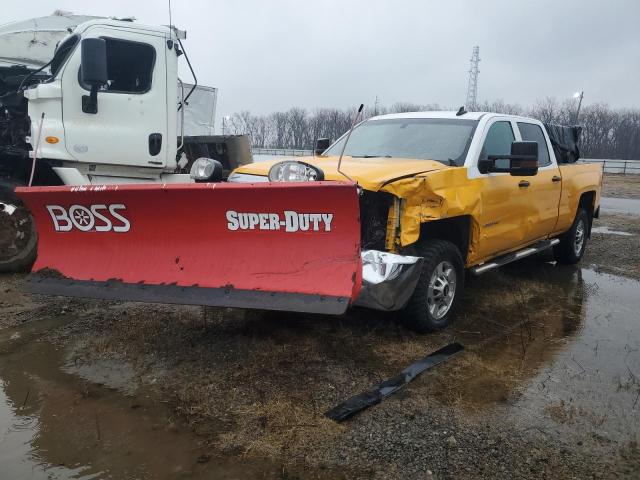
(512,257)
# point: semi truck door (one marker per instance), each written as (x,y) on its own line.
(504,201)
(130,126)
(545,187)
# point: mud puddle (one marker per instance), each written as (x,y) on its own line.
(552,360)
(592,387)
(56,424)
(564,362)
(620,205)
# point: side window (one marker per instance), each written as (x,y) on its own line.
(533,133)
(498,142)
(129,66)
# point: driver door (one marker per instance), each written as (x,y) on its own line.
(504,200)
(130,127)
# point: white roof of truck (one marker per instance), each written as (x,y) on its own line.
(451,115)
(33,42)
(433,114)
(112,22)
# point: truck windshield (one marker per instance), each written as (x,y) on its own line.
(442,139)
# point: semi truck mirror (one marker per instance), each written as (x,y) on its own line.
(321,145)
(93,70)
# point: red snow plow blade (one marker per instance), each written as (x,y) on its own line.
(273,246)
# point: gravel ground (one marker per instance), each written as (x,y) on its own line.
(254,385)
(622,252)
(621,186)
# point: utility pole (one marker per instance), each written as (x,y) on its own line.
(375,107)
(472,87)
(579,95)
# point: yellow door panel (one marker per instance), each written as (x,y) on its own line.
(544,188)
(503,202)
(542,210)
(503,211)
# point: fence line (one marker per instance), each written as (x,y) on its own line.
(624,167)
(290,152)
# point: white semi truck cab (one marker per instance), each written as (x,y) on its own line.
(107,108)
(117,125)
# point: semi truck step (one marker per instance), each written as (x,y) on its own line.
(512,257)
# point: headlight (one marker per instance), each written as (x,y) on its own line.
(293,171)
(206,170)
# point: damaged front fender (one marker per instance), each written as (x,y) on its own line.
(430,197)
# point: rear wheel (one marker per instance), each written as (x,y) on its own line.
(574,242)
(439,288)
(18,238)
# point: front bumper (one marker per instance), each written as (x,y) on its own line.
(388,280)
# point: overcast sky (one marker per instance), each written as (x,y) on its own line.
(267,55)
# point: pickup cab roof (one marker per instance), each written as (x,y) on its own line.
(451,115)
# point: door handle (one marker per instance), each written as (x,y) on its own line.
(556,178)
(155,144)
(523,184)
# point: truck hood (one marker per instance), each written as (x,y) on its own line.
(370,173)
(33,42)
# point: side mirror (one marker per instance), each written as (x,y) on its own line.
(321,145)
(93,70)
(523,161)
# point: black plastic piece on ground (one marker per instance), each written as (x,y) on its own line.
(371,397)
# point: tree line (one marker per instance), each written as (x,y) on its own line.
(607,132)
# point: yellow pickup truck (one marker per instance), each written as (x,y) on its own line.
(460,192)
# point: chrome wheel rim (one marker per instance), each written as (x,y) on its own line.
(579,237)
(442,290)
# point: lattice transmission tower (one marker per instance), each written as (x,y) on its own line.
(472,88)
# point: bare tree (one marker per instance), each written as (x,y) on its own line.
(607,133)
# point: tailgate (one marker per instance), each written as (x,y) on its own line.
(277,246)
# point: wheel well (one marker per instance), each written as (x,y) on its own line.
(17,173)
(46,176)
(455,229)
(587,201)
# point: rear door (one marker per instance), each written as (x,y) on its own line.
(131,108)
(544,188)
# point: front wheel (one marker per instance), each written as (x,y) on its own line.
(574,242)
(18,237)
(439,288)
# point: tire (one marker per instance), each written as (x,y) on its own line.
(18,236)
(431,308)
(574,242)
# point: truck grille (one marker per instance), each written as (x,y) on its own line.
(374,210)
